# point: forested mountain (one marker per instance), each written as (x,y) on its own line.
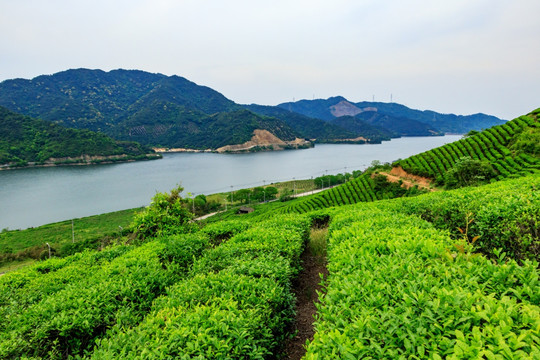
(307,127)
(359,126)
(26,140)
(153,109)
(171,111)
(399,125)
(390,114)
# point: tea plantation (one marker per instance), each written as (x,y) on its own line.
(450,274)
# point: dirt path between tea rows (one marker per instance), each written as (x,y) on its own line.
(305,289)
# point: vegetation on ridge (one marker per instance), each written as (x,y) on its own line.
(26,140)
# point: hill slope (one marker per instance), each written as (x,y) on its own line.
(26,141)
(512,149)
(171,111)
(307,127)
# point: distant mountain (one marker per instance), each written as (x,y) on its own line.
(173,112)
(182,128)
(307,127)
(359,126)
(446,123)
(153,109)
(392,116)
(398,125)
(28,141)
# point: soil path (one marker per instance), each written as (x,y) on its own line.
(409,180)
(305,289)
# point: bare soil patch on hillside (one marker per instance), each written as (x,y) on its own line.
(409,180)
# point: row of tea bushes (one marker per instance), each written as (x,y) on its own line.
(236,303)
(503,217)
(492,145)
(117,291)
(399,288)
(25,287)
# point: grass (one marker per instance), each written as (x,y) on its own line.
(317,242)
(15,265)
(60,233)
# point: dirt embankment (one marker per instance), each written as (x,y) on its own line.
(263,138)
(409,180)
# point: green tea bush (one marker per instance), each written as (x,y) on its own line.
(236,303)
(399,288)
(120,292)
(224,230)
(504,216)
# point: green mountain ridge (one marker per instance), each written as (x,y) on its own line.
(171,111)
(131,105)
(325,109)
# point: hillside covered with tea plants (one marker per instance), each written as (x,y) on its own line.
(508,150)
(447,274)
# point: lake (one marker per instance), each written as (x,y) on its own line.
(37,196)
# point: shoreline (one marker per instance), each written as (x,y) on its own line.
(83,160)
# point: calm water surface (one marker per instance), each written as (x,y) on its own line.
(33,197)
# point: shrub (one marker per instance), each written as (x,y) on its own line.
(164,216)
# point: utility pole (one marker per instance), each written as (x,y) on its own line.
(49,246)
(72,232)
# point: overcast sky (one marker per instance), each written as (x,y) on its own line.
(459,56)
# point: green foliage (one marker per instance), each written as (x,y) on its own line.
(364,188)
(329,180)
(224,230)
(468,172)
(68,310)
(528,141)
(236,303)
(165,215)
(26,140)
(398,288)
(90,232)
(511,149)
(286,195)
(504,215)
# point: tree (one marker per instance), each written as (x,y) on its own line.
(243,195)
(271,192)
(467,171)
(258,194)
